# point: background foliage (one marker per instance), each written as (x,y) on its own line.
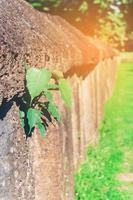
(111,20)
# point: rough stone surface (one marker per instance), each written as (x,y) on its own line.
(36,168)
(37,39)
(16,175)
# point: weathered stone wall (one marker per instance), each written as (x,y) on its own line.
(36,168)
(40,40)
(43,168)
(66,146)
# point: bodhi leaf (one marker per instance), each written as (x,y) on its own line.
(66,92)
(48,95)
(52,86)
(53,109)
(37,80)
(34,117)
(22,115)
(42,129)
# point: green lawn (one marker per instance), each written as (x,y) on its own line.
(107,174)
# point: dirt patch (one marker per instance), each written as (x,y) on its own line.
(126,177)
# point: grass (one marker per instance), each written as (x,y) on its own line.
(97,178)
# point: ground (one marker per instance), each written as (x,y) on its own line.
(107,173)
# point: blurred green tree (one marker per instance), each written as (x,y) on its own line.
(110,20)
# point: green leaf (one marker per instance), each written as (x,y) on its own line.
(34,117)
(53,86)
(66,92)
(48,95)
(53,109)
(37,80)
(36,4)
(97,1)
(22,115)
(84,7)
(42,129)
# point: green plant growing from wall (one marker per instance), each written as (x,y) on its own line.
(39,107)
